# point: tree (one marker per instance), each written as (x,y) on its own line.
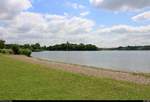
(26,46)
(2,44)
(15,49)
(36,47)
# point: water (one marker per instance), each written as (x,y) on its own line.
(130,61)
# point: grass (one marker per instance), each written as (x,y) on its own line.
(21,80)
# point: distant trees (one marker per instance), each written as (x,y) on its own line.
(129,48)
(72,47)
(35,47)
(135,48)
(58,47)
(2,44)
(27,49)
(26,46)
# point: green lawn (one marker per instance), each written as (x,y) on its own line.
(21,80)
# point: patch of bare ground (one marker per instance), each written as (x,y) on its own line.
(124,76)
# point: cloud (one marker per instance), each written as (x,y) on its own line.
(122,35)
(142,17)
(125,29)
(84,13)
(30,27)
(52,29)
(121,5)
(75,5)
(70,25)
(10,8)
(79,8)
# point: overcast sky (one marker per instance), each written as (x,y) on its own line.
(106,23)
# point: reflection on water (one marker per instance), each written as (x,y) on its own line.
(132,61)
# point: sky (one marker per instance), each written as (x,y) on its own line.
(105,23)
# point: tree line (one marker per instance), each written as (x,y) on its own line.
(145,47)
(26,49)
(72,47)
(59,47)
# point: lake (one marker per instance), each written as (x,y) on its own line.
(129,61)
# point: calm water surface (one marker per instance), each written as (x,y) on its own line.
(130,61)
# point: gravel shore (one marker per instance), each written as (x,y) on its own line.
(102,73)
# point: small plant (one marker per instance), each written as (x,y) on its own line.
(26,52)
(6,51)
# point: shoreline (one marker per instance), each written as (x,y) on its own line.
(138,78)
(91,67)
(97,68)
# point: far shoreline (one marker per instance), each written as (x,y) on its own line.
(87,50)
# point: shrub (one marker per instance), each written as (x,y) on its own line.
(26,52)
(15,49)
(6,51)
(10,51)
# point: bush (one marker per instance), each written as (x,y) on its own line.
(6,51)
(26,52)
(15,49)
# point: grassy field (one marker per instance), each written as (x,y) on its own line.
(21,80)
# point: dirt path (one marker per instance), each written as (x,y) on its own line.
(87,70)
